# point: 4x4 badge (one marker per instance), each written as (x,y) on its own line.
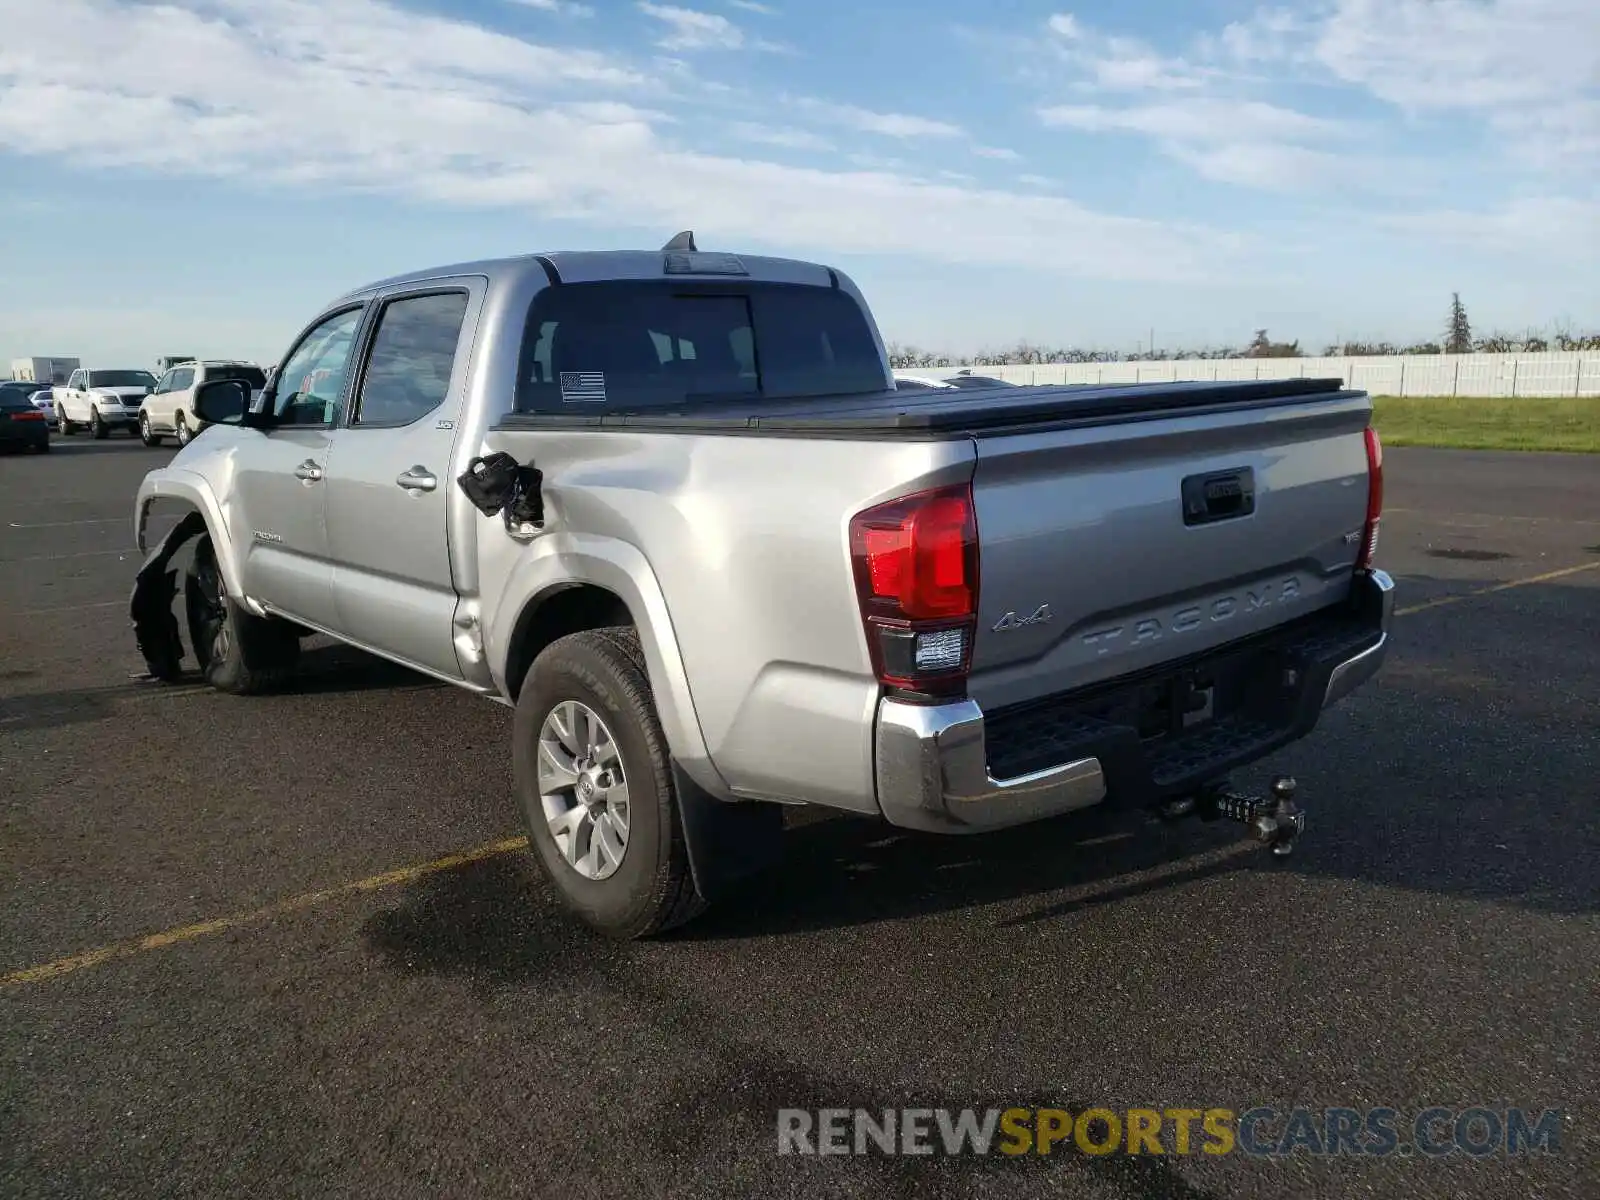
(1011,621)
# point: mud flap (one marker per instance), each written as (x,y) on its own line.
(155,625)
(727,842)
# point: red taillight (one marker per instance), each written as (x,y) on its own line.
(916,566)
(35,415)
(1369,533)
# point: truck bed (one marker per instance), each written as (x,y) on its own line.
(1092,566)
(953,413)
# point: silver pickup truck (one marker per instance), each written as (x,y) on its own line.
(670,507)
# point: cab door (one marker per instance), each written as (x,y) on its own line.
(279,490)
(71,401)
(389,483)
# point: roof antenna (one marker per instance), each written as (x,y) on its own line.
(683,241)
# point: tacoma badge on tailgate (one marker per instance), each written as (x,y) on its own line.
(1193,616)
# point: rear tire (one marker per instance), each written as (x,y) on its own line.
(238,652)
(648,888)
(67,428)
(181,429)
(97,427)
(146,435)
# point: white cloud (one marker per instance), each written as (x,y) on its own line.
(361,94)
(1248,143)
(1198,107)
(691,29)
(1274,167)
(1565,228)
(895,125)
(1267,36)
(751,6)
(1196,120)
(996,152)
(1522,74)
(1446,54)
(1529,68)
(566,8)
(770,135)
(1116,63)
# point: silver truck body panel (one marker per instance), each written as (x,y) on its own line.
(1090,523)
(731,550)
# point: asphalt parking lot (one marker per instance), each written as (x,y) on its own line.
(354,982)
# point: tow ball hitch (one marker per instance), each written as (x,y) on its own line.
(1274,819)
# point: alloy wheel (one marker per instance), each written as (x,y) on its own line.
(583,790)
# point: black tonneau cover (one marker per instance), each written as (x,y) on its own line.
(953,412)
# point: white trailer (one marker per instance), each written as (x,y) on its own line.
(46,372)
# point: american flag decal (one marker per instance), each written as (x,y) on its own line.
(583,387)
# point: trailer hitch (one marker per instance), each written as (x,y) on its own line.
(1273,819)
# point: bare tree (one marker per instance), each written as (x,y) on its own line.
(1023,351)
(1262,346)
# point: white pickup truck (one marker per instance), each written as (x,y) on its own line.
(101,400)
(670,507)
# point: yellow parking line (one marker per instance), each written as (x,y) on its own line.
(188,933)
(1442,601)
(400,875)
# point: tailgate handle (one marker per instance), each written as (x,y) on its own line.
(1219,496)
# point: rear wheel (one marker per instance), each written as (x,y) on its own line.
(181,428)
(67,428)
(147,435)
(97,427)
(238,652)
(594,782)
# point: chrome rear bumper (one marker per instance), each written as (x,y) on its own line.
(932,760)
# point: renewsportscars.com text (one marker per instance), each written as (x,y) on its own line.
(1474,1132)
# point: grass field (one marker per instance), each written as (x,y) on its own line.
(1468,423)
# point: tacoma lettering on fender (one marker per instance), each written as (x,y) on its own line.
(670,508)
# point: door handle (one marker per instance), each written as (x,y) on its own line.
(417,479)
(309,471)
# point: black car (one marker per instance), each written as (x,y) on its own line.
(23,424)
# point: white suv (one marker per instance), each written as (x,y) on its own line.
(169,410)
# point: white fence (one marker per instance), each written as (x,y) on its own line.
(1559,373)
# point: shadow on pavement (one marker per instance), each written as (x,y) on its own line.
(329,669)
(487,922)
(51,710)
(499,916)
(1419,784)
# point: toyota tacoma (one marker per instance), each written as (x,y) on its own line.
(670,508)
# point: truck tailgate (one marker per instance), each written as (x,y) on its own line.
(1113,548)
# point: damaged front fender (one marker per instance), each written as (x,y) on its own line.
(155,625)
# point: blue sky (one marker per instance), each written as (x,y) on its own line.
(198,176)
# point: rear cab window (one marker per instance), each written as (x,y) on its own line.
(254,376)
(640,346)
